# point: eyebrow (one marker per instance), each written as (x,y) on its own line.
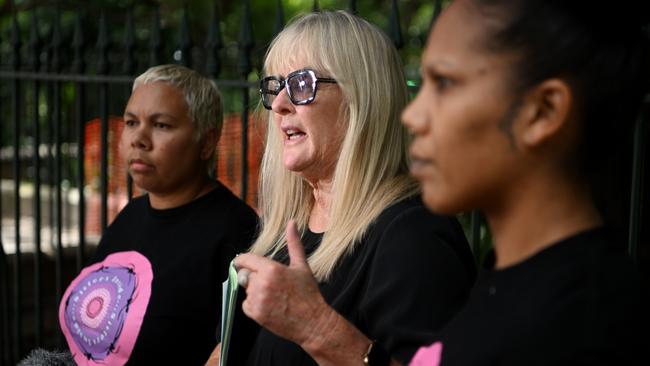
(153,116)
(436,65)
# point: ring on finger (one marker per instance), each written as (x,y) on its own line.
(242,277)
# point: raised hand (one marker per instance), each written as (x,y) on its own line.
(284,299)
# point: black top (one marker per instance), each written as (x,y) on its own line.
(409,274)
(574,303)
(189,248)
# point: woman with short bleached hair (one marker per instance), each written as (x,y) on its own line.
(335,178)
(154,280)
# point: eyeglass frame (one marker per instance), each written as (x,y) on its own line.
(283,85)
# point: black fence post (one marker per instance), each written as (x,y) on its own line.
(16,105)
(129,69)
(34,63)
(213,45)
(4,336)
(437,9)
(185,40)
(245,67)
(278,25)
(56,44)
(5,343)
(475,234)
(102,69)
(352,6)
(4,296)
(395,28)
(155,42)
(636,199)
(79,67)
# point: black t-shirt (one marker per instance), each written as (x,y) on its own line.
(189,248)
(409,274)
(574,303)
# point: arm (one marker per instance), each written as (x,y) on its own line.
(338,342)
(214,356)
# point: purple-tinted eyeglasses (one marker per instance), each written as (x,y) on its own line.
(301,87)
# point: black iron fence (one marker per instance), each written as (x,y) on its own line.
(59,89)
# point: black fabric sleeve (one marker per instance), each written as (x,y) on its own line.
(416,283)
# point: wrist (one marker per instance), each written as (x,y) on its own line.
(319,332)
(335,341)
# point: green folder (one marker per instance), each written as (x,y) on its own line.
(228,300)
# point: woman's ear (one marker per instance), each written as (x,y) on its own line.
(546,112)
(209,144)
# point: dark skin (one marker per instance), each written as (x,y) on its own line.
(160,149)
(465,160)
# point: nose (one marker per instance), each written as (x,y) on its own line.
(140,138)
(281,104)
(415,116)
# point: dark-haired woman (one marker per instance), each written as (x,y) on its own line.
(521,100)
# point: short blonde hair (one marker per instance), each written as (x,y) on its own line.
(201,95)
(372,169)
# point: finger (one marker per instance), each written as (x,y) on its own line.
(252,262)
(295,247)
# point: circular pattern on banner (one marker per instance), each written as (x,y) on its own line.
(103,308)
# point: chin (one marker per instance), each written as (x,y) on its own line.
(294,166)
(439,203)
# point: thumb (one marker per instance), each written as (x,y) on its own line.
(294,246)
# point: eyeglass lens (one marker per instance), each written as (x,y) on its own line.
(301,87)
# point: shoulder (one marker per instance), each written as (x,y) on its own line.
(410,213)
(591,297)
(236,211)
(410,223)
(136,206)
(409,233)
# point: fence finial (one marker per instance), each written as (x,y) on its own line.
(352,6)
(279,18)
(78,45)
(214,44)
(155,42)
(129,43)
(102,46)
(185,40)
(245,42)
(437,8)
(57,43)
(34,44)
(395,29)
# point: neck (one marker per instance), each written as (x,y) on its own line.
(323,196)
(191,192)
(538,215)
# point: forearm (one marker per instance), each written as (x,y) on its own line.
(334,341)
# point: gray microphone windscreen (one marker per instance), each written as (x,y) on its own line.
(41,357)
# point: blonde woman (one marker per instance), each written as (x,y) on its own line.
(363,272)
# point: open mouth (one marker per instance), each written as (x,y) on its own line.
(294,134)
